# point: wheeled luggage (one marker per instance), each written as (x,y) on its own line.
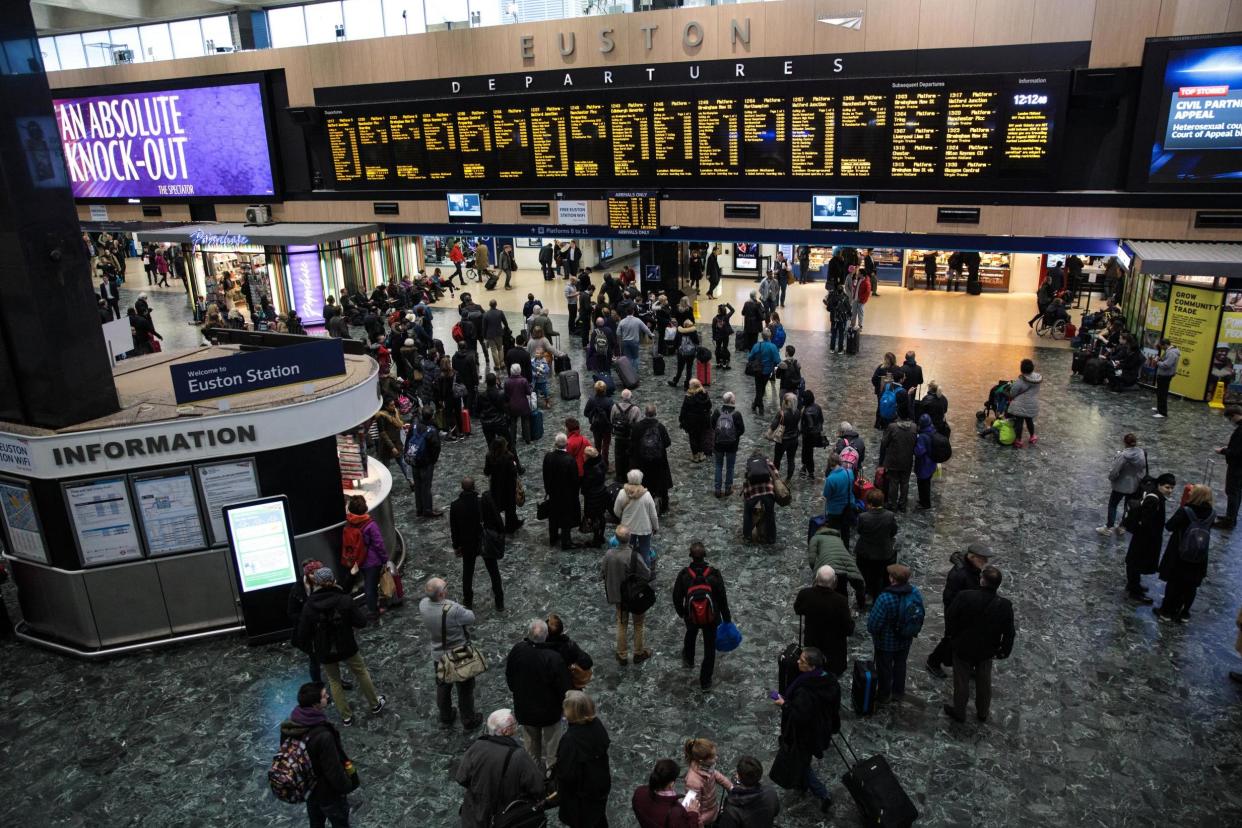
(492,279)
(739,341)
(876,790)
(561,363)
(864,686)
(703,372)
(787,662)
(571,386)
(627,372)
(851,341)
(536,425)
(657,365)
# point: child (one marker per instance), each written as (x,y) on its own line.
(541,370)
(983,424)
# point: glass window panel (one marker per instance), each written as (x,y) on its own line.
(187,38)
(72,55)
(321,22)
(363,18)
(51,62)
(412,23)
(156,44)
(98,48)
(128,39)
(447,11)
(218,31)
(286,27)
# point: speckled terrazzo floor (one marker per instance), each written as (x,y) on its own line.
(1101,717)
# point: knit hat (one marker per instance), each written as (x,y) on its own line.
(1166,479)
(311,567)
(323,576)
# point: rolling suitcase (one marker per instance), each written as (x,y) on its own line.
(561,363)
(739,342)
(492,279)
(536,425)
(876,790)
(864,686)
(851,342)
(703,372)
(571,386)
(657,364)
(787,662)
(627,372)
(465,420)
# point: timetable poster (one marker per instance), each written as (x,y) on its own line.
(952,132)
(221,485)
(21,522)
(103,521)
(168,507)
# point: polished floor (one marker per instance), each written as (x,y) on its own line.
(1102,716)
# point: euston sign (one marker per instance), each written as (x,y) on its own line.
(257,370)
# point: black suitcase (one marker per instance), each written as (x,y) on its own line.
(876,790)
(1095,371)
(657,365)
(739,342)
(864,686)
(627,372)
(492,279)
(851,341)
(787,662)
(561,363)
(571,387)
(1078,361)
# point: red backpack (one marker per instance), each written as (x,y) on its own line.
(353,547)
(700,606)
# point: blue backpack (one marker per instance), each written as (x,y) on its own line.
(414,445)
(910,614)
(888,403)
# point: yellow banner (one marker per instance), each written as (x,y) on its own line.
(1192,319)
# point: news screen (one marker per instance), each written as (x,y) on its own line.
(1200,138)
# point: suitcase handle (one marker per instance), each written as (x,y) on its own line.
(833,742)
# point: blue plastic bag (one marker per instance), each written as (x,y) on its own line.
(728,637)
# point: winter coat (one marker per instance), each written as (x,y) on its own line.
(561,483)
(616,568)
(390,428)
(1172,567)
(479,772)
(1144,551)
(707,785)
(826,547)
(962,577)
(912,375)
(327,757)
(884,621)
(811,420)
(924,466)
(750,808)
(502,477)
(935,406)
(752,318)
(1128,469)
(980,624)
(696,413)
(583,778)
(637,510)
(769,356)
(538,678)
(372,538)
(597,414)
(838,491)
(878,382)
(897,446)
(853,440)
(811,713)
(323,603)
(517,394)
(828,623)
(682,585)
(576,445)
(595,499)
(467,517)
(521,358)
(1024,395)
(657,476)
(661,811)
(876,531)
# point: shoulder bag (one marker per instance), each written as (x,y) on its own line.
(637,596)
(519,494)
(520,813)
(460,663)
(780,490)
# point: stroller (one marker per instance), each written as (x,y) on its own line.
(998,398)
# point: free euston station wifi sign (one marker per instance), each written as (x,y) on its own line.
(244,372)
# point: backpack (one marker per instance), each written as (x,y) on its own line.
(888,402)
(757,470)
(414,445)
(457,333)
(726,428)
(652,447)
(599,341)
(791,374)
(1004,432)
(1193,547)
(600,423)
(700,605)
(849,458)
(353,546)
(323,641)
(941,451)
(687,348)
(620,422)
(910,615)
(291,776)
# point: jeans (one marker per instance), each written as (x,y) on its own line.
(467,579)
(811,782)
(961,686)
(1115,498)
(709,650)
(782,285)
(465,700)
(724,468)
(769,517)
(858,308)
(541,743)
(642,545)
(371,579)
(623,619)
(359,668)
(836,339)
(891,669)
(629,348)
(422,488)
(1162,394)
(1017,426)
(334,810)
(786,450)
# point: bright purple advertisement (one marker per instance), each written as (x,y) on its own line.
(306,282)
(174,143)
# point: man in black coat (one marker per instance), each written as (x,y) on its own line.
(1233,470)
(712,268)
(897,458)
(810,715)
(539,679)
(518,355)
(561,484)
(752,319)
(422,460)
(648,452)
(466,367)
(329,798)
(468,517)
(980,624)
(912,374)
(829,622)
(963,576)
(695,581)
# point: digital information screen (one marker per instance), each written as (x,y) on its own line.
(465,207)
(975,131)
(262,543)
(1199,137)
(745,256)
(634,214)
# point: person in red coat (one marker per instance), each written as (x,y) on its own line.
(577,443)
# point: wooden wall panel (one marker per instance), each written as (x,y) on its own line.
(1055,21)
(882,218)
(944,23)
(1233,23)
(890,25)
(1097,222)
(708,25)
(1186,17)
(1155,224)
(1040,221)
(172,213)
(786,215)
(1002,22)
(831,39)
(994,220)
(1119,30)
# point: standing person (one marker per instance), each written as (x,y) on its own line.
(714,272)
(780,272)
(466,369)
(1146,524)
(826,548)
(496,771)
(649,444)
(572,260)
(753,316)
(658,805)
(836,270)
(695,269)
(761,363)
(750,803)
(1127,471)
(494,412)
(804,264)
(924,466)
(911,375)
(470,517)
(696,420)
(703,779)
(595,498)
(722,335)
(561,484)
(422,450)
(495,327)
(161,268)
(811,424)
(445,622)
(1185,561)
(517,399)
(539,679)
(1233,469)
(869,270)
(1166,370)
(1024,402)
(326,631)
(769,292)
(859,291)
(507,264)
(624,415)
(362,544)
(876,547)
(328,800)
(810,714)
(583,778)
(897,457)
(962,576)
(575,443)
(687,345)
(787,424)
(838,305)
(700,601)
(759,493)
(728,426)
(980,624)
(630,331)
(895,620)
(108,293)
(929,269)
(619,563)
(598,414)
(636,510)
(148,263)
(838,496)
(829,622)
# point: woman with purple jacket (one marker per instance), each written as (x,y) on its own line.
(924,465)
(360,529)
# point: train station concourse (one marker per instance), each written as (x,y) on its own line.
(788,413)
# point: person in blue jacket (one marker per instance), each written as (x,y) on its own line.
(769,356)
(838,496)
(924,466)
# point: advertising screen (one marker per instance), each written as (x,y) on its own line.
(207,141)
(745,256)
(961,131)
(1200,134)
(467,207)
(262,544)
(834,211)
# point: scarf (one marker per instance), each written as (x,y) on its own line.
(308,716)
(793,685)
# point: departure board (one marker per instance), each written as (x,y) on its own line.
(957,132)
(634,214)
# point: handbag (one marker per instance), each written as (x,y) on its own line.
(780,490)
(519,494)
(533,400)
(543,510)
(387,584)
(754,366)
(493,544)
(776,434)
(579,677)
(520,813)
(637,596)
(460,663)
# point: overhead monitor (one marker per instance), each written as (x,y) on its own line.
(745,256)
(634,213)
(834,212)
(174,142)
(261,539)
(465,207)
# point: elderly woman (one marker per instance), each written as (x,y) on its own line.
(583,777)
(696,420)
(517,396)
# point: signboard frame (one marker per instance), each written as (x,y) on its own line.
(165,473)
(222,539)
(9,547)
(67,485)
